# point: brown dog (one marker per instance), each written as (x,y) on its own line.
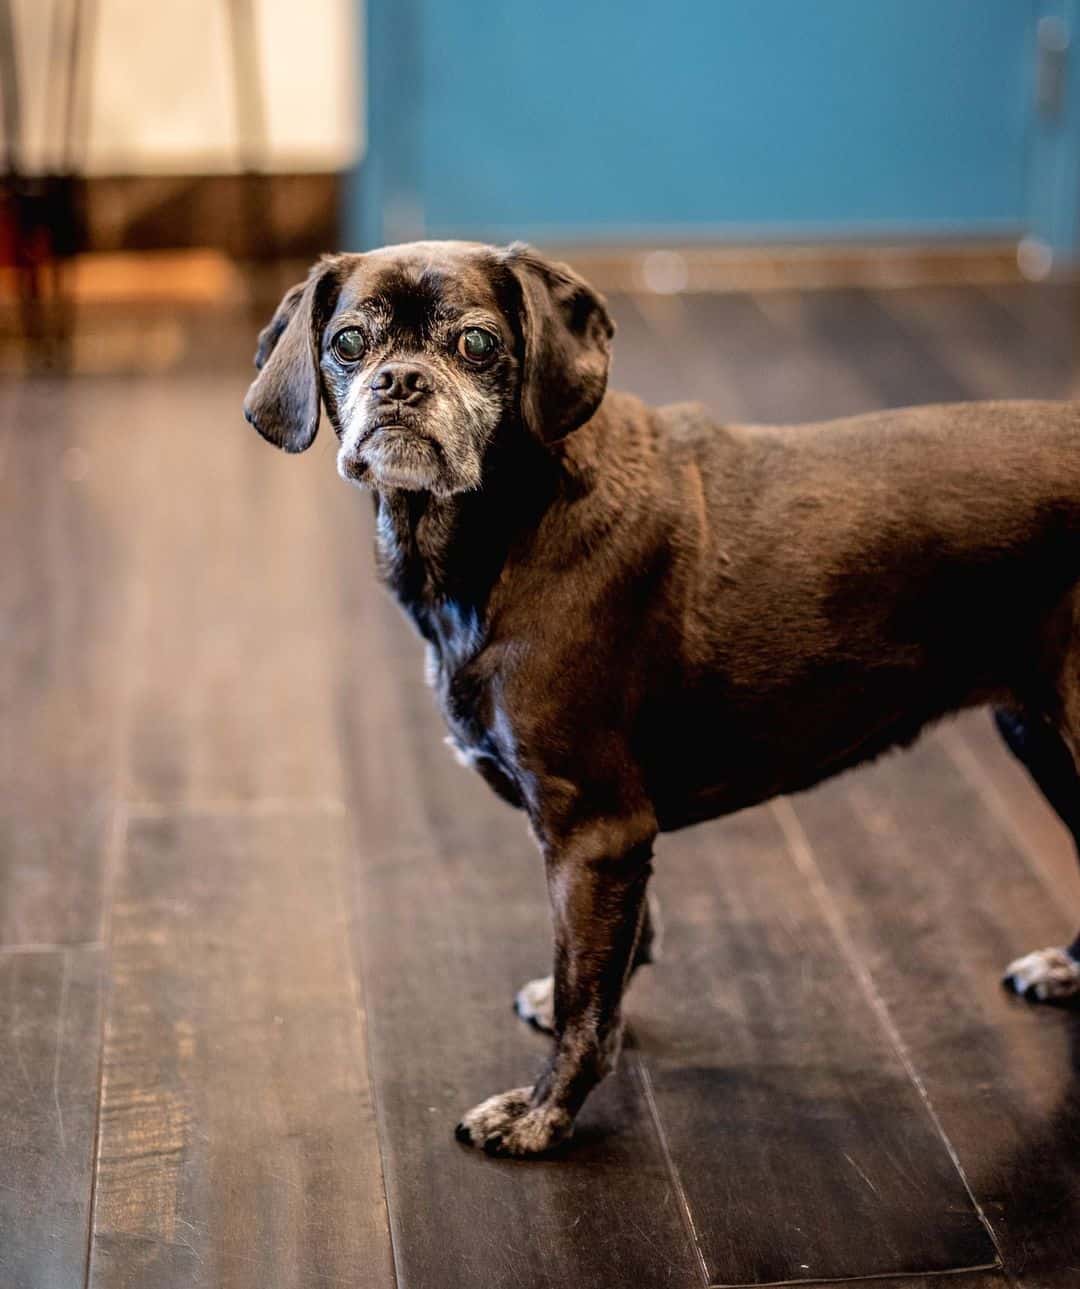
(638,618)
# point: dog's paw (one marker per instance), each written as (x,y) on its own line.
(1047,975)
(509,1124)
(535,1004)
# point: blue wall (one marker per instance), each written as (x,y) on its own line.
(569,120)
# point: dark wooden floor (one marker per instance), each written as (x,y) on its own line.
(259,934)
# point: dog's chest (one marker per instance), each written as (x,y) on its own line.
(462,664)
(479,732)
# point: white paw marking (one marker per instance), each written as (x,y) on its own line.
(1045,975)
(508,1124)
(535,1003)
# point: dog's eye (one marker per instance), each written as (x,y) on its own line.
(348,345)
(476,344)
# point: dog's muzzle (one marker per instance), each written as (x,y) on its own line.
(391,454)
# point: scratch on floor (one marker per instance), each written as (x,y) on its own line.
(14,1033)
(61,1008)
(862,1174)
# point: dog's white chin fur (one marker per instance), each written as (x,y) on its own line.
(382,480)
(391,464)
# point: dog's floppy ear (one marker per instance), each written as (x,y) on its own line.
(283,400)
(567,334)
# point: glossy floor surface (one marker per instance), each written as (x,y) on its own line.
(259,934)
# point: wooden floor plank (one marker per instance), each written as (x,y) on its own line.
(783,1100)
(733,356)
(231,692)
(898,365)
(705,342)
(984,342)
(990,1279)
(1048,318)
(937,900)
(237,1141)
(49,1032)
(64,588)
(450,918)
(1017,805)
(644,358)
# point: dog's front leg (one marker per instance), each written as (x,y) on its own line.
(596,880)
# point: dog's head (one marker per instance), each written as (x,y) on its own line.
(423,352)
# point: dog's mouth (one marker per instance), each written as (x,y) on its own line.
(377,427)
(392,454)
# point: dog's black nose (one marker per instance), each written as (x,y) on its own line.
(400,383)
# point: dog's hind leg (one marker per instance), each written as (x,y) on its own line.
(1047,974)
(534,1002)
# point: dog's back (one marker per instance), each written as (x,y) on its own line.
(834,586)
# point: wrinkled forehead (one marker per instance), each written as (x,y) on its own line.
(425,283)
